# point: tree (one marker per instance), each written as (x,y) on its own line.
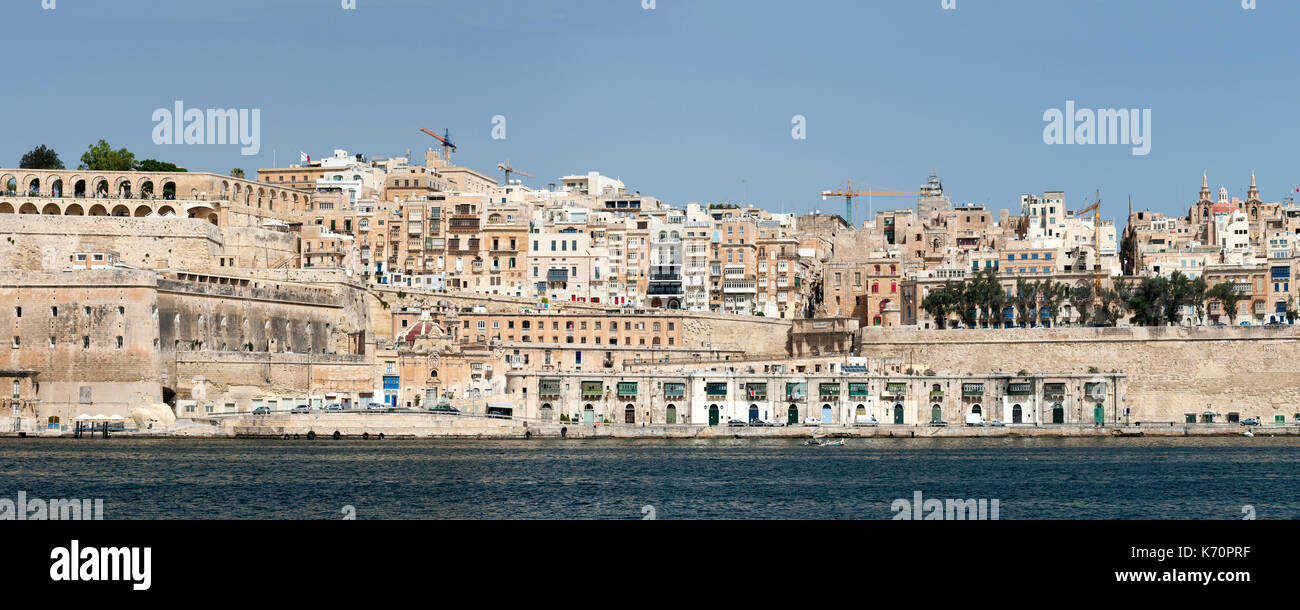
(41,158)
(237,173)
(1081,297)
(102,157)
(1226,294)
(1053,294)
(1111,307)
(154,165)
(939,302)
(1025,299)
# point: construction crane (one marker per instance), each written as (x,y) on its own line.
(508,169)
(447,146)
(848,194)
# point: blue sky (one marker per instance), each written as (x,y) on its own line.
(691,101)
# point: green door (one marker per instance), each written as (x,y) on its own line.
(713,415)
(793,417)
(898,413)
(1099,414)
(588,414)
(671,415)
(1058,413)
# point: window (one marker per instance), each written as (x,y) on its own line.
(17,342)
(119,342)
(85,342)
(17,387)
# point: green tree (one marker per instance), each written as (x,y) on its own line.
(1227,295)
(1111,307)
(102,157)
(1025,301)
(154,165)
(1053,294)
(1082,298)
(939,303)
(41,158)
(237,173)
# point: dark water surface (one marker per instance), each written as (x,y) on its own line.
(1129,478)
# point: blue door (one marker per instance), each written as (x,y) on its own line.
(826,414)
(753,413)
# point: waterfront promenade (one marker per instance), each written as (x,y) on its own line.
(385,425)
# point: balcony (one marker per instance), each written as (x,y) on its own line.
(740,287)
(463,225)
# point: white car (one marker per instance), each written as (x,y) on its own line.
(812,421)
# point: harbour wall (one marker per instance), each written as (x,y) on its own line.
(1171,372)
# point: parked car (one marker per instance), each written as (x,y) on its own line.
(444,408)
(334,406)
(865,420)
(736,422)
(1250,421)
(300,409)
(938,422)
(812,421)
(262,411)
(996,423)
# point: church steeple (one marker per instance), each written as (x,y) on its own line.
(1205,187)
(1253,194)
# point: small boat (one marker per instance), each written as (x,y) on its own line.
(1248,434)
(839,443)
(812,442)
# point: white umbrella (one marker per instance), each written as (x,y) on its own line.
(115,417)
(83,416)
(100,416)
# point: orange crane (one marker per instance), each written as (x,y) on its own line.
(447,146)
(848,194)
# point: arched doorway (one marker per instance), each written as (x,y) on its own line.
(753,413)
(670,414)
(1016,414)
(898,413)
(74,210)
(629,414)
(546,412)
(827,414)
(588,414)
(713,415)
(50,209)
(936,414)
(1058,413)
(792,415)
(860,412)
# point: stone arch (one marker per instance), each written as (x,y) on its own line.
(10,184)
(143,210)
(97,210)
(6,207)
(51,209)
(79,188)
(28,208)
(56,187)
(32,184)
(122,187)
(169,190)
(166,211)
(225,189)
(146,189)
(121,210)
(101,187)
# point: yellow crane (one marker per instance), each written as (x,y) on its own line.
(848,194)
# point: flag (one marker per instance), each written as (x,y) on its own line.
(304,157)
